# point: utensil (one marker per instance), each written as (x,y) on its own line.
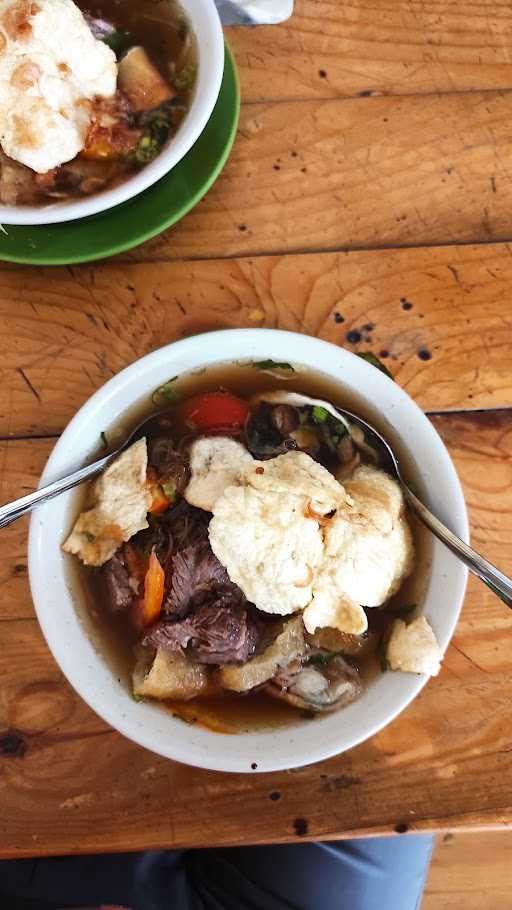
(481,567)
(14,510)
(62,599)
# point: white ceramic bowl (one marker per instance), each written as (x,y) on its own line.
(205,23)
(56,595)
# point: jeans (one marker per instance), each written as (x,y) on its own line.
(373,874)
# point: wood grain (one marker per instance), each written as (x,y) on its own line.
(66,332)
(70,784)
(471,871)
(396,47)
(363,173)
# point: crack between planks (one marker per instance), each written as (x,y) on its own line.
(376,95)
(313,251)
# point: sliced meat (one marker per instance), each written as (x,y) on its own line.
(164,675)
(186,525)
(219,632)
(170,465)
(288,646)
(116,578)
(194,570)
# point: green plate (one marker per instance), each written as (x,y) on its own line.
(147,214)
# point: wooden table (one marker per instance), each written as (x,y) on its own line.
(371,185)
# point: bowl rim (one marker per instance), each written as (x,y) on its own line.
(203,102)
(234,340)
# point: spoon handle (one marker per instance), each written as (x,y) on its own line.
(489,574)
(19,507)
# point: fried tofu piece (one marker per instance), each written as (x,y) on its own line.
(169,676)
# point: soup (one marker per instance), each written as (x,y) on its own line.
(232,603)
(84,112)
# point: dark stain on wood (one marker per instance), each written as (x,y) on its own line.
(340,782)
(301,827)
(12,743)
(401,828)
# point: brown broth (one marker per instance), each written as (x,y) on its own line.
(227,712)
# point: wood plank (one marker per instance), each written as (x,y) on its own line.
(21,464)
(363,173)
(67,331)
(69,784)
(471,871)
(397,47)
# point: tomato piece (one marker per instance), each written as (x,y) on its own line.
(148,609)
(212,410)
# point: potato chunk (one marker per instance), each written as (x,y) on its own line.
(141,82)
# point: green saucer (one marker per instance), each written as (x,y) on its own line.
(144,216)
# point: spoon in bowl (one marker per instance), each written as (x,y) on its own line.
(489,574)
(14,510)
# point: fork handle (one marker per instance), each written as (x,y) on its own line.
(499,583)
(14,510)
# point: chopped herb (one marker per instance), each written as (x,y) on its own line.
(375,362)
(187,76)
(322,660)
(273,365)
(157,125)
(119,41)
(104,440)
(166,391)
(319,414)
(169,491)
(90,538)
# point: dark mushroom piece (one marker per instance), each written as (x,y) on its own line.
(263,438)
(318,688)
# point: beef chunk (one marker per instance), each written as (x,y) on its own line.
(116,579)
(221,631)
(194,570)
(171,466)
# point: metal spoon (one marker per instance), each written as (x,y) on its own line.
(19,507)
(493,578)
(489,574)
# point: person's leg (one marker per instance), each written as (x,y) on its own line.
(141,881)
(367,874)
(374,874)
